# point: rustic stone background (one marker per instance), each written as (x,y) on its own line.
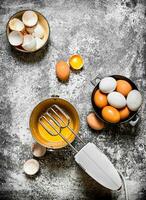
(110,35)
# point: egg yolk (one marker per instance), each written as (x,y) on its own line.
(123,87)
(110,114)
(76,62)
(100,99)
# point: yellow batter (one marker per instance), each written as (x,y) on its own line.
(48,137)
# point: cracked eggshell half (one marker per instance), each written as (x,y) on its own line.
(38,31)
(29,18)
(31,167)
(15,38)
(16,24)
(30,30)
(29,43)
(39,43)
(38,150)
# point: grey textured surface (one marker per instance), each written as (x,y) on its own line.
(110,35)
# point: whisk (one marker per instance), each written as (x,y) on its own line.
(51,120)
(90,158)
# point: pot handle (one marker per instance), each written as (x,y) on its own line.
(135,120)
(95,81)
(54,95)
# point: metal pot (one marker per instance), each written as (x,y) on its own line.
(132,119)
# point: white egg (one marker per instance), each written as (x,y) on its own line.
(134,100)
(29,43)
(107,84)
(38,31)
(116,100)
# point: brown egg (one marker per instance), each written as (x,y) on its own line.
(124,113)
(62,70)
(100,99)
(123,87)
(110,114)
(94,122)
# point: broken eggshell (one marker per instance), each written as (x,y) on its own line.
(38,31)
(31,167)
(29,43)
(38,150)
(15,38)
(16,24)
(30,29)
(39,43)
(29,18)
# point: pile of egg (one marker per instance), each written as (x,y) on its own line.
(116,99)
(27,33)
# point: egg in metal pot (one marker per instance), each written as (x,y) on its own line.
(124,113)
(134,100)
(116,100)
(110,114)
(107,84)
(123,87)
(100,99)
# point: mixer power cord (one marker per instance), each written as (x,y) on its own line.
(124,185)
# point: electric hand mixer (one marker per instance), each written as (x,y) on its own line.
(90,158)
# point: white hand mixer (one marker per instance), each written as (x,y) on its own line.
(90,158)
